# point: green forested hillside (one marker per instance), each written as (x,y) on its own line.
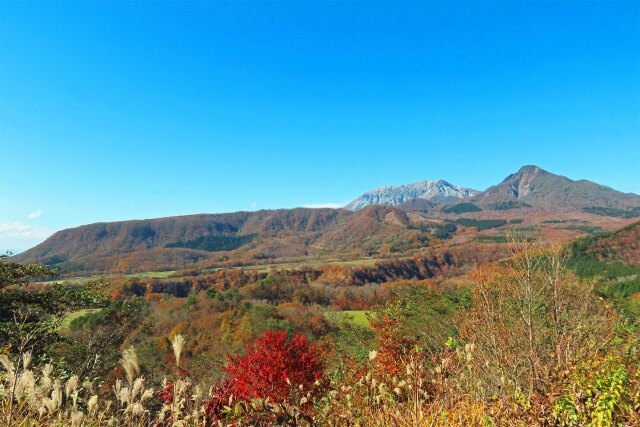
(612,259)
(214,243)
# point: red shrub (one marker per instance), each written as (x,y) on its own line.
(274,368)
(270,362)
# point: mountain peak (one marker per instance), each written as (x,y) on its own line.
(439,191)
(533,186)
(528,171)
(531,169)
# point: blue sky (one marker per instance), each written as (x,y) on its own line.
(121,110)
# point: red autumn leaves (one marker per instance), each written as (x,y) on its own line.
(274,368)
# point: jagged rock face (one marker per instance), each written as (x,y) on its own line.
(521,184)
(432,191)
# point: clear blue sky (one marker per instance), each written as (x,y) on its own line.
(121,110)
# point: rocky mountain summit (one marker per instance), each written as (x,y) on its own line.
(432,191)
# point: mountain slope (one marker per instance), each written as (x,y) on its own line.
(178,241)
(432,191)
(536,187)
(106,239)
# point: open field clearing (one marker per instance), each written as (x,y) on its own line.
(356,317)
(83,279)
(261,268)
(66,322)
(265,268)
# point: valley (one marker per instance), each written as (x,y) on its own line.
(368,288)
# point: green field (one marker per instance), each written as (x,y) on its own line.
(83,279)
(489,239)
(354,317)
(66,322)
(357,317)
(262,268)
(265,268)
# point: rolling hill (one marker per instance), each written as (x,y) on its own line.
(268,234)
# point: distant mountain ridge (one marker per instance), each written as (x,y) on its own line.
(532,186)
(435,192)
(364,228)
(178,241)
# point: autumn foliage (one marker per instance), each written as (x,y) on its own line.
(528,340)
(274,369)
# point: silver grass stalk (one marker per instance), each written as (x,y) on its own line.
(92,405)
(137,387)
(89,386)
(6,363)
(117,389)
(148,393)
(130,363)
(26,384)
(26,359)
(177,344)
(125,395)
(71,386)
(77,418)
(138,409)
(45,381)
